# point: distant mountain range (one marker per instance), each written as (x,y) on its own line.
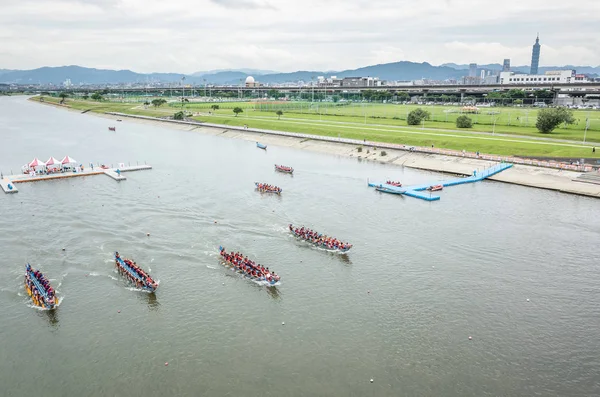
(388,71)
(252,72)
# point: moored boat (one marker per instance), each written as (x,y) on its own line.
(394,183)
(261,146)
(266,188)
(435,188)
(39,289)
(384,189)
(134,274)
(319,240)
(283,168)
(112,128)
(248,268)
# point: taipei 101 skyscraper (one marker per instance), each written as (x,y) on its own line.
(535,56)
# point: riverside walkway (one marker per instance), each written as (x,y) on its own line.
(7,183)
(416,190)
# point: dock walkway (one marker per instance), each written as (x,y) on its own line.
(111,172)
(415,190)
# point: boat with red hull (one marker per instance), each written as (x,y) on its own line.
(435,188)
(284,169)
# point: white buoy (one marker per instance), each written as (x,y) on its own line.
(166,364)
(118,311)
(223,283)
(283,323)
(527,300)
(148,234)
(470,337)
(371,380)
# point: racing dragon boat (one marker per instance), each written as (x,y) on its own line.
(284,169)
(39,289)
(248,268)
(134,274)
(266,188)
(319,240)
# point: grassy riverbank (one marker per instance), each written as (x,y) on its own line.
(373,129)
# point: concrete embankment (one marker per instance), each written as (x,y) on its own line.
(546,178)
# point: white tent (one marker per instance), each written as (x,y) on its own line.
(53,162)
(36,163)
(68,160)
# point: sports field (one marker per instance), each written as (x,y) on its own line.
(511,141)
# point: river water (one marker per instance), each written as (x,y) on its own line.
(515,268)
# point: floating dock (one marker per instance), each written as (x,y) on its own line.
(417,191)
(9,181)
(8,186)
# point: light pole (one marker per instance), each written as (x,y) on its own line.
(312,83)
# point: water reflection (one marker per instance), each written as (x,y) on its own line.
(274,292)
(51,316)
(150,299)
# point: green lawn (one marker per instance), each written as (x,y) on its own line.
(379,130)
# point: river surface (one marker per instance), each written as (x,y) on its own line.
(516,268)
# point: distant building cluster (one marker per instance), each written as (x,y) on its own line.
(350,82)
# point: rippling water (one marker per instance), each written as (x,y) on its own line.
(399,308)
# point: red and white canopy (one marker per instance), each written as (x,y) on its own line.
(36,163)
(53,161)
(68,160)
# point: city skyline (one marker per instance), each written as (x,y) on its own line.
(286,36)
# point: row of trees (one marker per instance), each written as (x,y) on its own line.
(547,119)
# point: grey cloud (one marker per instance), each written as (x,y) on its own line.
(245,4)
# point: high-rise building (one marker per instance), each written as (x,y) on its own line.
(535,56)
(472,70)
(506,65)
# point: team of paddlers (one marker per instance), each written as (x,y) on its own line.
(319,239)
(45,298)
(283,168)
(142,279)
(266,188)
(249,267)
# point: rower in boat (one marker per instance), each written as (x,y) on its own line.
(248,267)
(394,183)
(319,239)
(283,168)
(266,188)
(134,274)
(39,289)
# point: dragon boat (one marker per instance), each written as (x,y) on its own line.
(266,188)
(319,240)
(39,289)
(134,274)
(394,183)
(248,268)
(284,169)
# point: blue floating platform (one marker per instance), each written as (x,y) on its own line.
(414,191)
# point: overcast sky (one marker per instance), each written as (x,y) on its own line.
(186,36)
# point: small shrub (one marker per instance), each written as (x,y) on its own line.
(383,153)
(359,149)
(464,122)
(416,116)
